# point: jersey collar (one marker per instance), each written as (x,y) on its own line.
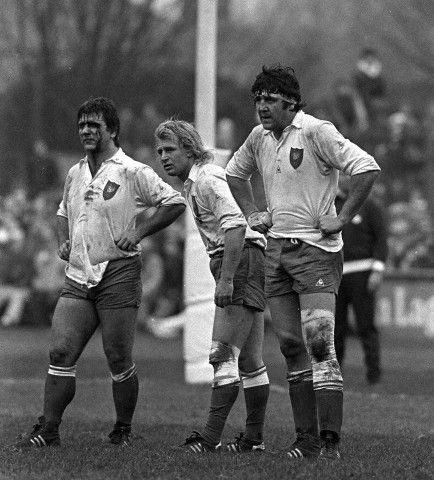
(297,122)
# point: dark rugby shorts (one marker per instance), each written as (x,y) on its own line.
(295,266)
(249,277)
(120,286)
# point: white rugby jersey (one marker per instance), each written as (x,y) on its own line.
(214,208)
(99,209)
(300,174)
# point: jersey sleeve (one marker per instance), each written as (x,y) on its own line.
(338,152)
(152,191)
(243,164)
(62,211)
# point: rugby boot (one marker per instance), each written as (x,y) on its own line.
(330,447)
(120,435)
(195,443)
(242,444)
(305,446)
(43,434)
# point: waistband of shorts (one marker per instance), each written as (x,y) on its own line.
(248,243)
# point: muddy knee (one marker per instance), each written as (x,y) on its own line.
(224,359)
(291,347)
(61,356)
(318,327)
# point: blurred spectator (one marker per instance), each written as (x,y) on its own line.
(348,111)
(43,171)
(152,278)
(49,269)
(172,252)
(15,266)
(410,231)
(370,83)
(401,153)
(365,253)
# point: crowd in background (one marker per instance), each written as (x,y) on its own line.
(31,273)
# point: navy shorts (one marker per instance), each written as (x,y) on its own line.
(249,277)
(120,286)
(295,266)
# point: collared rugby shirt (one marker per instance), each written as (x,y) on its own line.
(214,208)
(300,174)
(99,209)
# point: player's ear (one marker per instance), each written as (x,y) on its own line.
(288,106)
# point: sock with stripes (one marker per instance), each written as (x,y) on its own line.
(303,401)
(59,392)
(222,399)
(256,391)
(125,388)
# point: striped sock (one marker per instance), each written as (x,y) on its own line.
(59,392)
(125,387)
(256,391)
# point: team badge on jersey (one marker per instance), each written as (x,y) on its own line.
(109,190)
(296,157)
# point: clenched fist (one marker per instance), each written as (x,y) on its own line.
(260,221)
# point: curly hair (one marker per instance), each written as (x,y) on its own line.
(278,79)
(187,136)
(105,107)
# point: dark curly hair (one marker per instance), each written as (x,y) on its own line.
(278,79)
(105,107)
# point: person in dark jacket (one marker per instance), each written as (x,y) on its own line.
(365,252)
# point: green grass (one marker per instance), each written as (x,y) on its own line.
(388,430)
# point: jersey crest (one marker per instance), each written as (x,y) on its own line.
(109,190)
(296,157)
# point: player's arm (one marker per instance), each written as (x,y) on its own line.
(62,230)
(151,191)
(163,216)
(360,186)
(63,242)
(242,192)
(234,244)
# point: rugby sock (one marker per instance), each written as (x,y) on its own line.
(59,392)
(303,401)
(125,388)
(222,399)
(256,391)
(330,410)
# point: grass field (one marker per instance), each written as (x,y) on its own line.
(388,430)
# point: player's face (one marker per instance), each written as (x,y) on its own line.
(174,158)
(272,113)
(94,135)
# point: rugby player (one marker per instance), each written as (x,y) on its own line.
(236,262)
(299,158)
(99,239)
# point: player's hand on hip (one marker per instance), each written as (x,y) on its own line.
(260,221)
(223,293)
(128,241)
(328,225)
(64,250)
